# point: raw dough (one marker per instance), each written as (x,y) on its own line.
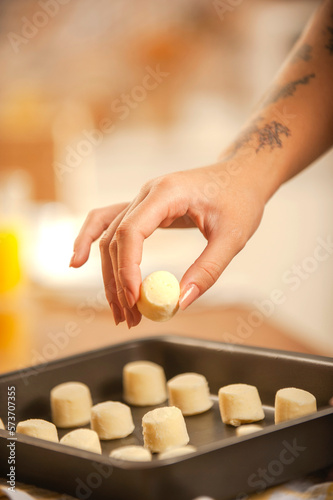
(190,393)
(144,383)
(132,453)
(164,428)
(71,404)
(242,430)
(159,296)
(85,439)
(240,404)
(293,403)
(177,452)
(38,428)
(112,420)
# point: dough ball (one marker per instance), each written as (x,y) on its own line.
(1,425)
(164,428)
(71,404)
(293,403)
(132,453)
(85,439)
(240,404)
(144,383)
(242,430)
(177,452)
(159,296)
(38,428)
(112,420)
(190,393)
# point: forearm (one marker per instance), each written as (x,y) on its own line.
(293,123)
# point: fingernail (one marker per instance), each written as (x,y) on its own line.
(116,313)
(72,261)
(190,293)
(129,297)
(129,318)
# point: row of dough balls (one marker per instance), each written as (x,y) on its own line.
(144,384)
(164,432)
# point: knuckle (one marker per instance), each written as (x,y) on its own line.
(165,182)
(93,214)
(103,243)
(238,238)
(122,230)
(110,290)
(113,246)
(211,271)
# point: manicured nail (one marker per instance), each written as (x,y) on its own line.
(72,261)
(190,293)
(129,297)
(117,316)
(129,318)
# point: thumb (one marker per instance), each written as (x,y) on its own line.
(208,267)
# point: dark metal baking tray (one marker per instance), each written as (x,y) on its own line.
(224,467)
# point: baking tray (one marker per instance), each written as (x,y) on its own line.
(224,467)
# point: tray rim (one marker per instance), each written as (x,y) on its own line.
(176,339)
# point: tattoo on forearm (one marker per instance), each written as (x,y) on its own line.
(304,53)
(288,90)
(270,134)
(329,45)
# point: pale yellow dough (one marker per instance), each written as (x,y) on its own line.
(177,452)
(159,296)
(132,454)
(1,425)
(240,404)
(164,428)
(242,430)
(190,393)
(144,383)
(71,404)
(85,439)
(38,428)
(293,403)
(112,420)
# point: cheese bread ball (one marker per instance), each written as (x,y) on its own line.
(190,393)
(177,452)
(71,404)
(293,403)
(144,383)
(159,296)
(132,454)
(112,420)
(85,439)
(243,430)
(240,404)
(164,428)
(38,428)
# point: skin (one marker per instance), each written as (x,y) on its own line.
(290,128)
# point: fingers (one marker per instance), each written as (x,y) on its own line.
(119,301)
(110,283)
(94,225)
(114,291)
(205,271)
(126,249)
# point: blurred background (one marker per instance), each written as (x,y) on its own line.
(96,97)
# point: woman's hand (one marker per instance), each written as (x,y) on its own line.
(221,200)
